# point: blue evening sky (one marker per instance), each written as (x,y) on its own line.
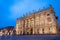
(10,10)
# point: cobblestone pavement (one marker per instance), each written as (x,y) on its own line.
(30,37)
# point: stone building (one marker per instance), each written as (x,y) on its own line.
(40,22)
(7,31)
(59,30)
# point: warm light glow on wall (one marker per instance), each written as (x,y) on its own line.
(40,31)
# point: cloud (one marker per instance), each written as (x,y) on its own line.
(21,7)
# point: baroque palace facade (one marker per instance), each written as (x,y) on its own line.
(40,22)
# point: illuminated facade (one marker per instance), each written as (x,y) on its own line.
(41,22)
(7,31)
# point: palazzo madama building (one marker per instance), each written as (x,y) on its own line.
(40,22)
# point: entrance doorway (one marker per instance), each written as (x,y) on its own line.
(31,31)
